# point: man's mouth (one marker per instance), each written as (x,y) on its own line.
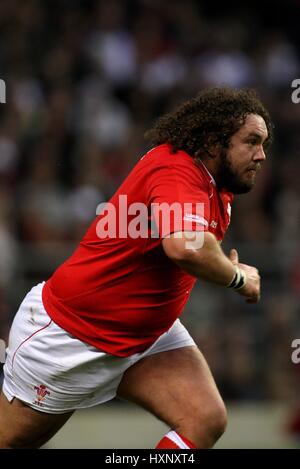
(255,169)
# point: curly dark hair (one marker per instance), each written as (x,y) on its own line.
(207,120)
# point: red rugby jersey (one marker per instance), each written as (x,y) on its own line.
(120,293)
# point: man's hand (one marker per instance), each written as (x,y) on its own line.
(209,263)
(251,290)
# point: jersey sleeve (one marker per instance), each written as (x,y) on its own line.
(179,200)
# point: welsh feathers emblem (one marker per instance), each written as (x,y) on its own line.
(41,394)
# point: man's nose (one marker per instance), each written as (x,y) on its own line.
(260,154)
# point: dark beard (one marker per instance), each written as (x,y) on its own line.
(227,179)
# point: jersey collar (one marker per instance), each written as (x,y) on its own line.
(210,176)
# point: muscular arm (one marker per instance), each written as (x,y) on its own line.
(207,263)
(210,263)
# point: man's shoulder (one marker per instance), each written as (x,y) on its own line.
(162,165)
(164,154)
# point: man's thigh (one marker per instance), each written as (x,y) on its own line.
(23,427)
(175,385)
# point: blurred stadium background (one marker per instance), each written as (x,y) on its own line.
(84,80)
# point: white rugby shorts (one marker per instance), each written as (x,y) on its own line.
(52,371)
